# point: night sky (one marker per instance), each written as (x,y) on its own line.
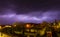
(29,11)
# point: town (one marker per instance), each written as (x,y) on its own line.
(20,29)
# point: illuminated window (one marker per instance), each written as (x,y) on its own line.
(32,30)
(0,27)
(59,24)
(27,30)
(7,26)
(14,25)
(17,32)
(54,24)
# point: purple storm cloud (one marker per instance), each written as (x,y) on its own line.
(13,17)
(35,12)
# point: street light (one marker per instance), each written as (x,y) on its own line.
(28,25)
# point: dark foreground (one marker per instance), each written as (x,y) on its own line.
(30,30)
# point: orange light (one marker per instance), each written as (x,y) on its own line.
(28,25)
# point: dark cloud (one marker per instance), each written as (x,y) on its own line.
(22,6)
